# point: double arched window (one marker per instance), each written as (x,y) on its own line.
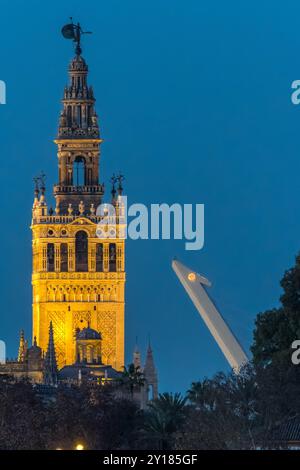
(64,257)
(112,257)
(50,257)
(99,257)
(58,256)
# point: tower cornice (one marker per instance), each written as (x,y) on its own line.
(77,141)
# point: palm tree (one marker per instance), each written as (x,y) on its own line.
(200,394)
(165,415)
(226,406)
(132,378)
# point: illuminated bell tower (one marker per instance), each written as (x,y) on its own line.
(78,279)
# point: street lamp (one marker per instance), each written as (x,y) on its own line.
(79,447)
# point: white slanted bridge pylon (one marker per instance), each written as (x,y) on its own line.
(195,284)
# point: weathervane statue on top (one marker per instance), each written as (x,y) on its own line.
(74,32)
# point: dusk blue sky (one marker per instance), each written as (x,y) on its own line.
(194,105)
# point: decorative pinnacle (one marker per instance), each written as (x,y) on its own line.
(50,371)
(36,186)
(39,182)
(43,182)
(113,181)
(120,179)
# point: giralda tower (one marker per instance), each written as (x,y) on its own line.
(78,279)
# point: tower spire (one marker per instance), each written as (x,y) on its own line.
(150,373)
(78,137)
(36,191)
(136,356)
(78,118)
(113,181)
(50,365)
(22,347)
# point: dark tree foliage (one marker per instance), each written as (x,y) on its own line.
(273,336)
(279,394)
(22,416)
(164,417)
(95,416)
(221,412)
(91,415)
(240,411)
(132,379)
(276,329)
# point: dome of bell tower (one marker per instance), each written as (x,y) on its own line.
(78,64)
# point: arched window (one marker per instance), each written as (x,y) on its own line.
(64,257)
(79,171)
(90,354)
(69,115)
(79,117)
(112,257)
(99,257)
(81,249)
(50,257)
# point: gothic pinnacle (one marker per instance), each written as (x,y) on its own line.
(113,180)
(50,372)
(22,347)
(120,179)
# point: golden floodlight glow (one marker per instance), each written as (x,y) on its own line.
(192,277)
(98,282)
(79,447)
